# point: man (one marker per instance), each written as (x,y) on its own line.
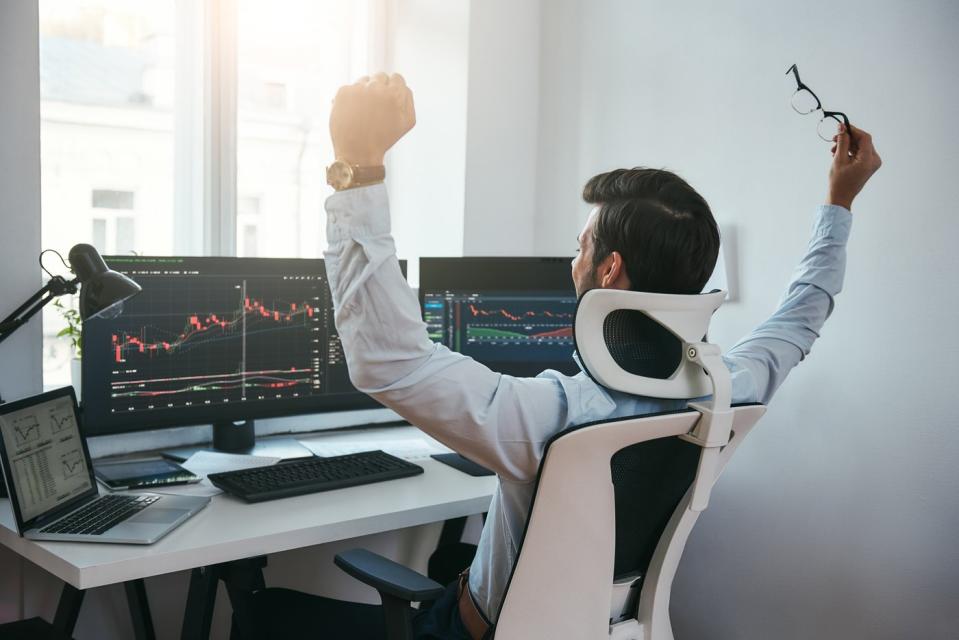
(649,231)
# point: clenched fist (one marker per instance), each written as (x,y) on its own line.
(369,116)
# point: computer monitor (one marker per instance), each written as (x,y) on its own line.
(515,315)
(215,340)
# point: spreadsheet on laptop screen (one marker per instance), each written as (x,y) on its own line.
(46,455)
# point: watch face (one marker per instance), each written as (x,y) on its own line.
(339,175)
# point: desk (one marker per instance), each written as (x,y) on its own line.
(229,529)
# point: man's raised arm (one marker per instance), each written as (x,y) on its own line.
(499,421)
(762,360)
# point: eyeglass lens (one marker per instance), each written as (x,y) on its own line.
(828,127)
(804,102)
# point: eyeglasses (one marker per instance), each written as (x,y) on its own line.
(804,102)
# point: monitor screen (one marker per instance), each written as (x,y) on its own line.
(215,339)
(515,315)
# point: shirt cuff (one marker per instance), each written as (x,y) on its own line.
(357,213)
(833,222)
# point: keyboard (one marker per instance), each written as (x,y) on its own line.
(312,475)
(100,515)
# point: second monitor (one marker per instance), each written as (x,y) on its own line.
(515,315)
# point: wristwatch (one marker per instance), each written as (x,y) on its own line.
(342,175)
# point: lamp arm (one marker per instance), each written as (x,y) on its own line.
(57,286)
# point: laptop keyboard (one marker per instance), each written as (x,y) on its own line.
(100,515)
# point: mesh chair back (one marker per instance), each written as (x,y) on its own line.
(649,480)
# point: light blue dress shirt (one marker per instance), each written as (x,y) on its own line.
(501,421)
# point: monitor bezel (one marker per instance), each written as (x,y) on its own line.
(66,507)
(449,275)
(104,423)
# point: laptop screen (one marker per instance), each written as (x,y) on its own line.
(46,459)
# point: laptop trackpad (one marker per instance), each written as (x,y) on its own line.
(158,515)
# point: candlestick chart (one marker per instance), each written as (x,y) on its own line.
(227,340)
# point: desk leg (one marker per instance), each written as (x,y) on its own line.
(200,599)
(68,609)
(452,532)
(139,610)
(242,578)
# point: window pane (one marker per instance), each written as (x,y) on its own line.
(107,136)
(107,199)
(292,56)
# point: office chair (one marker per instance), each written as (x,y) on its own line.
(615,500)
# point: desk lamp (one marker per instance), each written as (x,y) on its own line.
(102,293)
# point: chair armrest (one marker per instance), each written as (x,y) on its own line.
(387,576)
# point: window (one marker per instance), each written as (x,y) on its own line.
(287,72)
(189,127)
(107,95)
(107,199)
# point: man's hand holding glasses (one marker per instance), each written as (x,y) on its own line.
(851,168)
(854,157)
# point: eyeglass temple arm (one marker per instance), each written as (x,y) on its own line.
(795,71)
(833,114)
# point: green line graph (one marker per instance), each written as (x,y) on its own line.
(524,333)
(482,332)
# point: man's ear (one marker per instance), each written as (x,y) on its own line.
(612,272)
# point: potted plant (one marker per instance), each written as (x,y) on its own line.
(73,332)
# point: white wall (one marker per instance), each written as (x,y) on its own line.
(560,212)
(19,193)
(19,227)
(428,167)
(502,130)
(838,519)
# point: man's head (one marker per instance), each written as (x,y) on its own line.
(650,231)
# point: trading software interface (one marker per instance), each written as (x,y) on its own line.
(504,330)
(513,315)
(46,455)
(215,332)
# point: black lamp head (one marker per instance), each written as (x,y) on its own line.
(102,291)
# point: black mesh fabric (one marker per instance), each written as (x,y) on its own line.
(649,479)
(640,345)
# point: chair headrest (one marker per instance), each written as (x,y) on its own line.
(636,342)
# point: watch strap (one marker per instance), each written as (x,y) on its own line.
(368,175)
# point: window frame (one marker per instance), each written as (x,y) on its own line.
(205,135)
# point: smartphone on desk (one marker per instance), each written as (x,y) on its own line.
(140,474)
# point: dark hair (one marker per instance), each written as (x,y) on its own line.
(664,230)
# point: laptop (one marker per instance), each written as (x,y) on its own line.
(49,477)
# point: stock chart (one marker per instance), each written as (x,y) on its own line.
(517,333)
(195,338)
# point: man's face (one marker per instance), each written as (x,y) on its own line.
(584,275)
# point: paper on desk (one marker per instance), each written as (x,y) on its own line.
(203,463)
(407,449)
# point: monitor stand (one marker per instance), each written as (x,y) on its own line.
(238,437)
